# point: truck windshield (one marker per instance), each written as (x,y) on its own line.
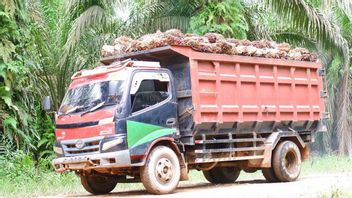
(86,97)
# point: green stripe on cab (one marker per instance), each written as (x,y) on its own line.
(139,133)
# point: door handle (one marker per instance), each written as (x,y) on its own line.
(170,121)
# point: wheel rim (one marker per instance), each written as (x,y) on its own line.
(164,170)
(291,162)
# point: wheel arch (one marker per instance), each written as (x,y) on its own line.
(295,138)
(170,142)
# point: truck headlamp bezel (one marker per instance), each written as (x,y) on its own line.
(58,150)
(111,143)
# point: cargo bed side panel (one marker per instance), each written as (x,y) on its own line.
(230,90)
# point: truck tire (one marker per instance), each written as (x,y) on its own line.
(286,161)
(161,172)
(250,170)
(269,175)
(98,184)
(222,175)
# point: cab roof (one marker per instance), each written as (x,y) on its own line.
(116,66)
(115,71)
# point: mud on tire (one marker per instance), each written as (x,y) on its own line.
(222,175)
(161,172)
(269,175)
(286,161)
(98,184)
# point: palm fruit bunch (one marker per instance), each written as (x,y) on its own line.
(209,43)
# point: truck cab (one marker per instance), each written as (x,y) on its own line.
(110,117)
(115,111)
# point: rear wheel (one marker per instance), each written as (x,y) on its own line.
(269,175)
(250,170)
(98,184)
(222,175)
(287,161)
(161,172)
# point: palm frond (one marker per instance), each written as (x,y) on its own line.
(346,7)
(161,15)
(296,39)
(10,6)
(299,15)
(72,6)
(345,23)
(259,20)
(94,15)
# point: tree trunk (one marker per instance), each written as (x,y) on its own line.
(344,111)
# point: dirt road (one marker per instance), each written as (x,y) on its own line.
(319,185)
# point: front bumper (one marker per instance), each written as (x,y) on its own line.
(93,161)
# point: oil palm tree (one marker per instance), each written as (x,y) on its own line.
(327,28)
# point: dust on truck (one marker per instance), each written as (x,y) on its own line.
(151,116)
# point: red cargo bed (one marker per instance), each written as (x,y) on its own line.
(241,93)
(227,88)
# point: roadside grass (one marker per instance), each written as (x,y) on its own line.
(335,193)
(28,181)
(327,164)
(44,183)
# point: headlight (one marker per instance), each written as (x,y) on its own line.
(108,145)
(58,150)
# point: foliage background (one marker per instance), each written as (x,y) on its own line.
(43,42)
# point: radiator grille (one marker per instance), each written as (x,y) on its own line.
(91,146)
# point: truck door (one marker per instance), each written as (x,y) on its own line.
(153,109)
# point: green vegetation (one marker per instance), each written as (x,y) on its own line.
(327,164)
(43,42)
(335,193)
(21,176)
(224,17)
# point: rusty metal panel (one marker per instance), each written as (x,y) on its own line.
(240,88)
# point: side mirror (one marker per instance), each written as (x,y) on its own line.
(47,104)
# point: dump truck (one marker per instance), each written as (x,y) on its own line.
(152,116)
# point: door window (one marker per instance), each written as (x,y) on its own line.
(150,92)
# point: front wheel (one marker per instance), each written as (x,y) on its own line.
(161,172)
(98,184)
(222,175)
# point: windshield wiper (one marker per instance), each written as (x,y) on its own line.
(96,107)
(70,111)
